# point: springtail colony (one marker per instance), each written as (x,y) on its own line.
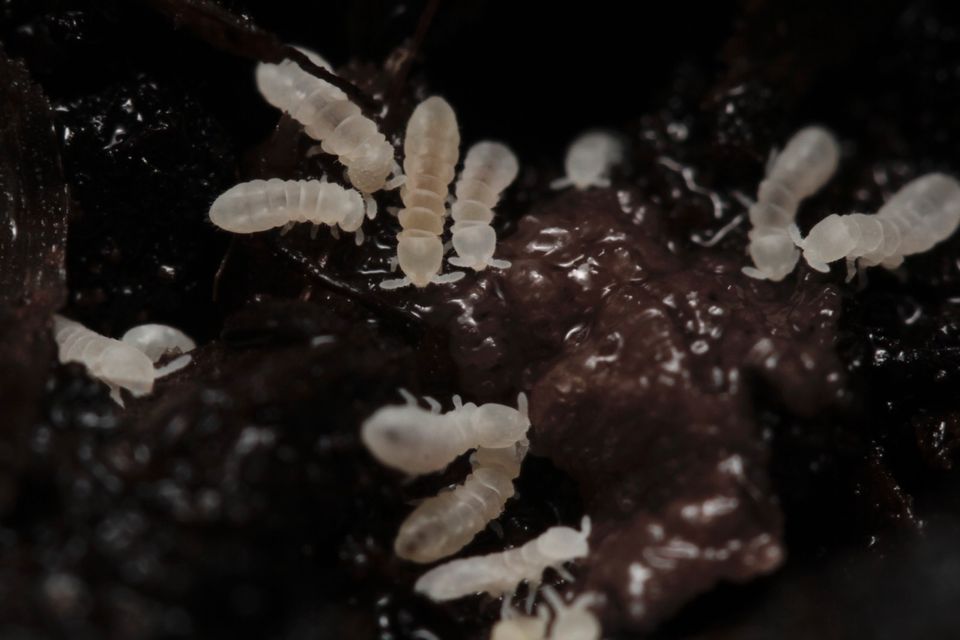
(922,213)
(431,151)
(417,440)
(807,162)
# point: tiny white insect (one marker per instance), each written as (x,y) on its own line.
(921,214)
(442,525)
(589,160)
(570,622)
(416,440)
(286,83)
(500,573)
(118,364)
(574,622)
(516,626)
(259,205)
(773,253)
(328,115)
(488,169)
(431,148)
(807,162)
(158,341)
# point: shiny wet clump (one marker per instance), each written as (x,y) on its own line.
(641,363)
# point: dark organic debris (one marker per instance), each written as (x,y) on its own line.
(33,227)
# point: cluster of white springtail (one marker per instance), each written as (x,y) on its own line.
(431,152)
(416,440)
(922,213)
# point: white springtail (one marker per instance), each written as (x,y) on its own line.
(442,525)
(416,440)
(501,573)
(158,341)
(807,162)
(431,149)
(259,205)
(488,169)
(921,214)
(328,115)
(119,364)
(590,158)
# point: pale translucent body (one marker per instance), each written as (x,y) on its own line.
(589,160)
(431,148)
(159,340)
(570,622)
(500,573)
(773,251)
(925,211)
(118,364)
(416,440)
(807,162)
(442,525)
(328,115)
(286,83)
(488,170)
(259,205)
(515,626)
(576,621)
(921,214)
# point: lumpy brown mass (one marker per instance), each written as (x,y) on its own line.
(642,365)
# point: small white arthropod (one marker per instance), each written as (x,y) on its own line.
(576,621)
(286,83)
(501,573)
(442,525)
(118,364)
(773,253)
(570,622)
(328,115)
(921,214)
(431,148)
(416,440)
(259,205)
(158,341)
(807,162)
(516,626)
(589,160)
(488,169)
